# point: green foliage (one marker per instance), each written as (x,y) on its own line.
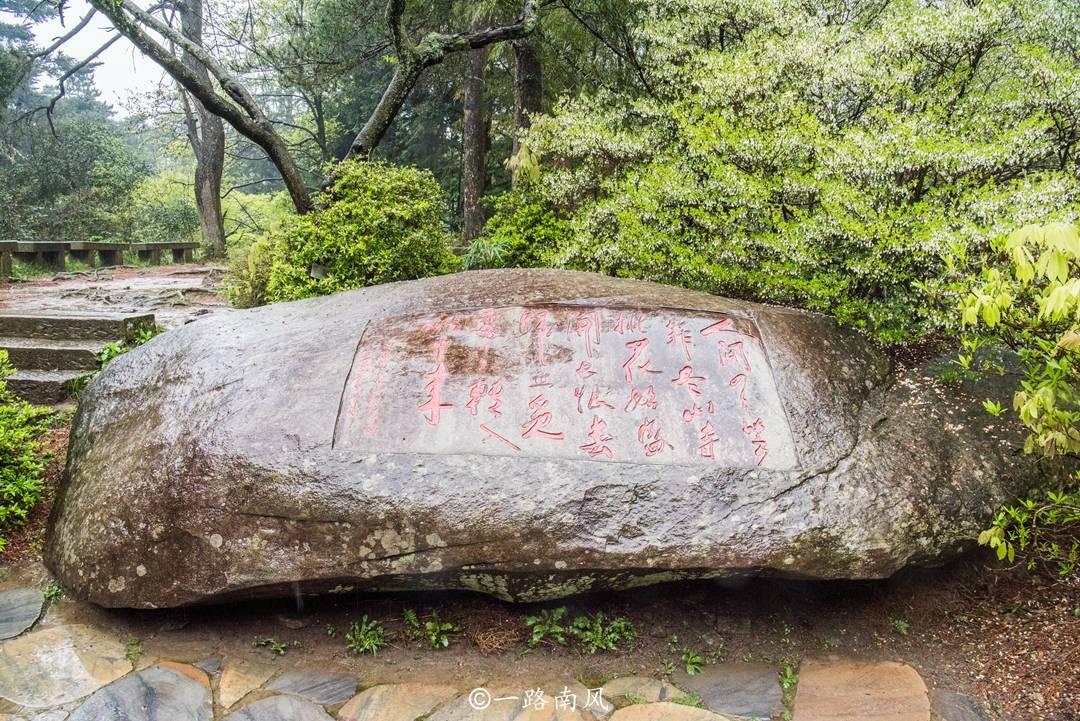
(788,678)
(901,626)
(53,593)
(163,209)
(1044,531)
(274,645)
(22,462)
(331,630)
(690,699)
(117,348)
(432,631)
(547,627)
(365,636)
(378,223)
(1027,299)
(133,649)
(692,661)
(823,158)
(412,623)
(522,233)
(249,273)
(595,634)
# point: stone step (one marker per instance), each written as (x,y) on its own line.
(47,354)
(44,387)
(73,326)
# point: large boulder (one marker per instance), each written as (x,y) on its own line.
(527,434)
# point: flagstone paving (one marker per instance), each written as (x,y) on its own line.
(738,690)
(280,708)
(239,677)
(57,665)
(396,702)
(665,711)
(168,692)
(328,689)
(19,608)
(836,690)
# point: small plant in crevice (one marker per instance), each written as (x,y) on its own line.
(365,636)
(901,626)
(547,627)
(690,699)
(112,350)
(331,630)
(789,679)
(274,645)
(53,593)
(133,649)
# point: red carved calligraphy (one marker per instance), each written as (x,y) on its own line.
(435,380)
(648,434)
(538,420)
(638,398)
(598,440)
(587,326)
(687,378)
(678,334)
(707,440)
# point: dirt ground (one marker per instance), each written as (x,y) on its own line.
(1008,638)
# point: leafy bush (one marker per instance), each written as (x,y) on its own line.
(22,463)
(247,284)
(1027,299)
(522,233)
(377,223)
(818,158)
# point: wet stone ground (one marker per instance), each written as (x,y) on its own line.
(173,293)
(73,661)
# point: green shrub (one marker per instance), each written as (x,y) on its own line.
(377,223)
(1027,299)
(22,463)
(247,284)
(814,158)
(523,233)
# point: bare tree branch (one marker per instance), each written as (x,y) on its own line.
(245,116)
(65,37)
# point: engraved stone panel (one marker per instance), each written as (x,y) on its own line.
(560,381)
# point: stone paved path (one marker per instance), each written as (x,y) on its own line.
(79,672)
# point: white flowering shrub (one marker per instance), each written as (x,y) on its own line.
(820,154)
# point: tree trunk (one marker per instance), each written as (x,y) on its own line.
(206,133)
(528,87)
(397,92)
(474,145)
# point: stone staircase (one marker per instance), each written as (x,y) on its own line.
(51,352)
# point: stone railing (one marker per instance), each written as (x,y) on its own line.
(53,254)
